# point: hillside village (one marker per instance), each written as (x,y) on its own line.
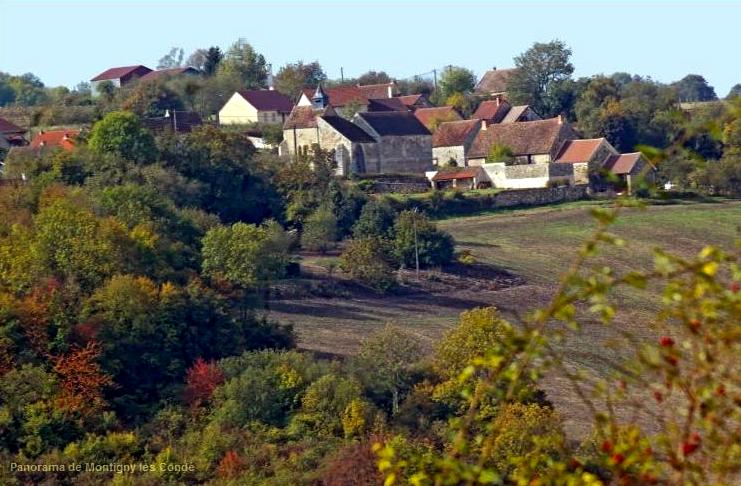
(374,130)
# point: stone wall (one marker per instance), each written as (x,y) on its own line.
(405,154)
(299,137)
(441,155)
(539,196)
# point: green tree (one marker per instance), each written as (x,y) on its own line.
(500,153)
(540,72)
(245,255)
(172,59)
(369,261)
(414,231)
(385,364)
(122,134)
(293,77)
(373,77)
(320,230)
(376,220)
(151,99)
(214,56)
(456,79)
(246,64)
(735,91)
(694,87)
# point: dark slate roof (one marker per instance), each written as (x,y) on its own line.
(394,123)
(267,100)
(516,112)
(348,129)
(524,138)
(386,104)
(494,81)
(454,133)
(118,72)
(8,127)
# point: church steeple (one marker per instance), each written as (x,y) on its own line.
(320,98)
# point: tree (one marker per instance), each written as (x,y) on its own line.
(500,153)
(540,71)
(212,60)
(172,59)
(244,254)
(243,62)
(121,133)
(320,230)
(201,380)
(152,99)
(735,91)
(456,79)
(197,59)
(373,77)
(385,363)
(369,261)
(82,380)
(694,87)
(376,220)
(293,77)
(414,233)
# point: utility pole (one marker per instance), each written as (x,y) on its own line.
(342,75)
(416,245)
(434,74)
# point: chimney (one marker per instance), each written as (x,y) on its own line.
(560,119)
(483,124)
(270,77)
(498,100)
(65,137)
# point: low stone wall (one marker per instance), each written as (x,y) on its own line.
(539,196)
(402,187)
(452,203)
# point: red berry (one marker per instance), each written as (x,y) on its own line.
(618,458)
(606,446)
(691,444)
(666,341)
(658,397)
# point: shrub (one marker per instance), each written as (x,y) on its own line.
(368,261)
(414,233)
(320,230)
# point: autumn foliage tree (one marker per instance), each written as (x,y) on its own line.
(82,380)
(202,379)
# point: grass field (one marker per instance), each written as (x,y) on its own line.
(526,250)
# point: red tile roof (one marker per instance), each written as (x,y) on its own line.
(168,72)
(578,151)
(492,110)
(305,117)
(494,81)
(467,173)
(64,139)
(428,116)
(118,72)
(383,90)
(410,100)
(622,163)
(454,133)
(267,100)
(524,138)
(8,127)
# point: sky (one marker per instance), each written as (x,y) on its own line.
(65,42)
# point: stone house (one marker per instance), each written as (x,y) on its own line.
(11,135)
(170,73)
(255,106)
(347,98)
(354,149)
(433,117)
(630,168)
(301,129)
(403,144)
(466,178)
(586,156)
(531,142)
(494,82)
(453,140)
(119,76)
